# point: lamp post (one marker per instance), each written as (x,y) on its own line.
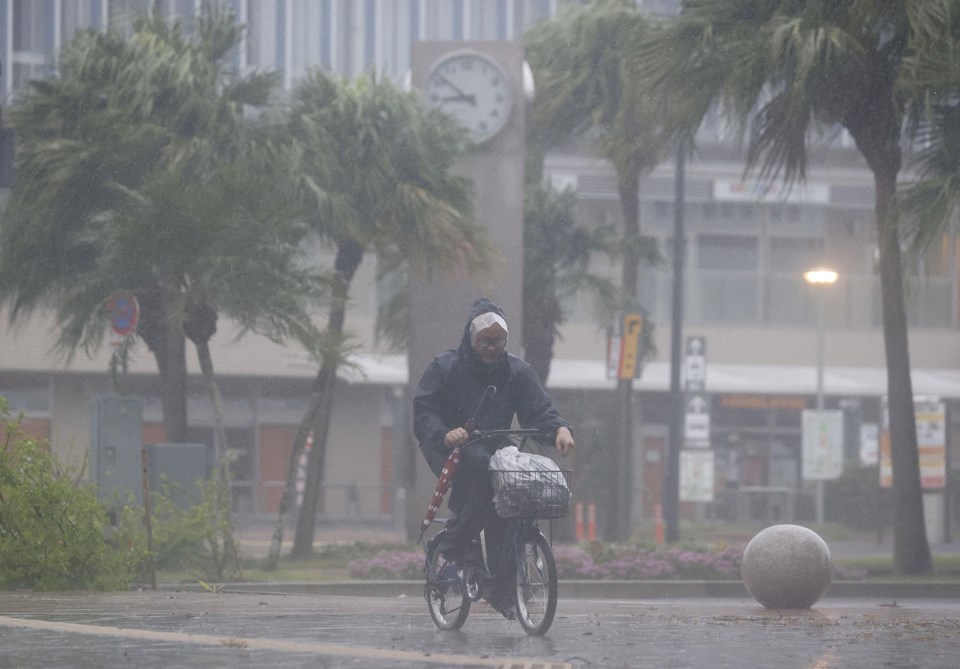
(820,278)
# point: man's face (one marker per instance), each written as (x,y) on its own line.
(490,343)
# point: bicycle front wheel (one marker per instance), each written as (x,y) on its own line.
(535,594)
(445,592)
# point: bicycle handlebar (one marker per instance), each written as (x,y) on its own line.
(476,435)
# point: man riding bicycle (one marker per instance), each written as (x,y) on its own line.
(446,397)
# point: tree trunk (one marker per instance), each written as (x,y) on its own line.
(911,550)
(199,326)
(538,343)
(221,468)
(219,431)
(349,255)
(299,443)
(165,340)
(622,503)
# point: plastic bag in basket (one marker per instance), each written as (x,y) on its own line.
(528,485)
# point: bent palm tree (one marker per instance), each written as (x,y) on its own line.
(375,175)
(587,84)
(785,68)
(118,158)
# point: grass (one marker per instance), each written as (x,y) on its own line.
(326,564)
(945,568)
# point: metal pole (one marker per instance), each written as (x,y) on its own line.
(821,317)
(671,488)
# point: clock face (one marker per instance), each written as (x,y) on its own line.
(474,90)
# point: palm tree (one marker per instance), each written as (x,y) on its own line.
(557,254)
(136,173)
(375,176)
(932,77)
(785,68)
(587,85)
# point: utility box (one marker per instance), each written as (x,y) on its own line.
(116,438)
(175,469)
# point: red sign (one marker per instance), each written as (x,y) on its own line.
(124,313)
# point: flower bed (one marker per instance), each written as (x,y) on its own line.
(627,562)
(389,565)
(598,562)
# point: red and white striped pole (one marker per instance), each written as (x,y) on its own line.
(592,522)
(658,520)
(578,517)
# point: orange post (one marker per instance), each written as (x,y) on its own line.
(658,516)
(592,522)
(578,515)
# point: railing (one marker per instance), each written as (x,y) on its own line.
(753,298)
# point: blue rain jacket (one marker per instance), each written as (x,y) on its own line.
(453,383)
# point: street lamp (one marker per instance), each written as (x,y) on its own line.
(820,278)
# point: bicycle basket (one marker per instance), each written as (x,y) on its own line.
(531,494)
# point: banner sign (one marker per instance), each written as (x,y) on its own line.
(624,348)
(822,445)
(931,417)
(696,476)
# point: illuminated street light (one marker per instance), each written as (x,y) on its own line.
(821,278)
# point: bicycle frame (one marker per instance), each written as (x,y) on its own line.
(457,575)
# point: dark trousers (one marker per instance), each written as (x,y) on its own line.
(472,501)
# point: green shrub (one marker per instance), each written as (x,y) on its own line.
(198,539)
(51,528)
(854,499)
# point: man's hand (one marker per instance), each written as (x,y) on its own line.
(456,437)
(564,441)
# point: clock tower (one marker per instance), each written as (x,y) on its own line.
(480,84)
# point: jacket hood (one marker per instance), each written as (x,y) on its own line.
(481,306)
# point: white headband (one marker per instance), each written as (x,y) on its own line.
(483,321)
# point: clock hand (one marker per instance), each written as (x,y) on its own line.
(454,87)
(472,99)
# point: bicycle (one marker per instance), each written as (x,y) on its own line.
(457,576)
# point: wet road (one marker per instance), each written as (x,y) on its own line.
(158,630)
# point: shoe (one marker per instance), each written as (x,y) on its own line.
(502,602)
(449,573)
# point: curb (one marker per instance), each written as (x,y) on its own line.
(579,589)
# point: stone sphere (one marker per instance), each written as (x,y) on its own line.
(786,567)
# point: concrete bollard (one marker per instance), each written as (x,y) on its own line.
(786,567)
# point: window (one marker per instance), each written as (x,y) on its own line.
(727,274)
(787,296)
(33,41)
(78,15)
(440,17)
(486,20)
(720,252)
(310,32)
(264,34)
(123,12)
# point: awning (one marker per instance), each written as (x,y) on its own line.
(571,374)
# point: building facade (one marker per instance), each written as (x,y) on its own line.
(748,243)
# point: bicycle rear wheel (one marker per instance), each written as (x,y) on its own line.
(445,591)
(535,593)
